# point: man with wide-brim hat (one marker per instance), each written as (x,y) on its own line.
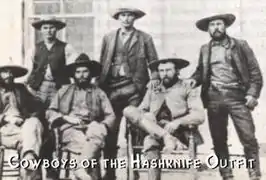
(20,118)
(46,61)
(84,112)
(125,54)
(48,58)
(231,84)
(165,113)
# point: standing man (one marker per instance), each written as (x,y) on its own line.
(48,59)
(124,56)
(20,118)
(231,83)
(83,114)
(47,74)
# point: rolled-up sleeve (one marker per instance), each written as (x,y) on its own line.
(195,115)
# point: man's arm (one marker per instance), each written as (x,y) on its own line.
(107,109)
(255,76)
(151,56)
(197,75)
(52,113)
(195,114)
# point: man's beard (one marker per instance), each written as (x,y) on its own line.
(7,83)
(219,37)
(168,82)
(82,82)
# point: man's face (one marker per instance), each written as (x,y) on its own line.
(127,19)
(168,73)
(7,77)
(82,75)
(217,29)
(48,31)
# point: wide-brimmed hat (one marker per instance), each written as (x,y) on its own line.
(180,63)
(17,71)
(138,13)
(84,60)
(203,24)
(49,20)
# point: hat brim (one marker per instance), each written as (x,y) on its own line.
(203,24)
(138,13)
(58,24)
(180,63)
(17,71)
(94,67)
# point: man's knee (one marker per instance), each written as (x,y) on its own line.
(151,143)
(32,124)
(132,114)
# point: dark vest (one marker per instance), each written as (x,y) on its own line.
(55,58)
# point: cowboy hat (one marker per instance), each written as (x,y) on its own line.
(49,20)
(138,13)
(180,63)
(17,71)
(203,24)
(84,60)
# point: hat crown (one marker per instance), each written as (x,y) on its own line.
(82,58)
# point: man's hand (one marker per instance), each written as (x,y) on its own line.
(190,82)
(72,120)
(171,127)
(154,84)
(251,102)
(14,120)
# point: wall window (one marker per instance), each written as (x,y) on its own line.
(78,14)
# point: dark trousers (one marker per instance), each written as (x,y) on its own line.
(224,102)
(120,98)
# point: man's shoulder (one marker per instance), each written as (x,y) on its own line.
(145,35)
(111,33)
(64,88)
(238,41)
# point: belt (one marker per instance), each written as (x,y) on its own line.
(122,82)
(227,86)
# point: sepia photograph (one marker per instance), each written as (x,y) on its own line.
(132,90)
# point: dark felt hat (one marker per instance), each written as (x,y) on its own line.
(84,60)
(49,20)
(138,13)
(180,63)
(17,71)
(203,24)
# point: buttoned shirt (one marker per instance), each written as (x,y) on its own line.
(120,67)
(222,70)
(9,102)
(80,108)
(180,99)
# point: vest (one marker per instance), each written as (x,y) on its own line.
(55,58)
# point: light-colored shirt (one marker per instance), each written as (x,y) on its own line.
(70,55)
(222,70)
(9,103)
(80,108)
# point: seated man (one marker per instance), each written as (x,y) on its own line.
(166,111)
(20,113)
(83,113)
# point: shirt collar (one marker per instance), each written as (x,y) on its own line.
(224,43)
(126,33)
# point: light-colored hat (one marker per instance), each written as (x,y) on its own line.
(138,13)
(203,24)
(49,20)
